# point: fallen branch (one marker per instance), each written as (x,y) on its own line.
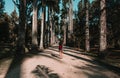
(42,72)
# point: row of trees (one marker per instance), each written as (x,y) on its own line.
(95,25)
(83,21)
(103,23)
(34,9)
(41,21)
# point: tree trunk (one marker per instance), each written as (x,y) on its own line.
(54,23)
(45,28)
(87,40)
(53,32)
(64,32)
(42,28)
(70,28)
(103,42)
(51,27)
(34,25)
(48,26)
(21,28)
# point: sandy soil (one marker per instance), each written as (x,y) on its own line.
(72,65)
(4,65)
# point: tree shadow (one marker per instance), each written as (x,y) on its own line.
(55,55)
(96,75)
(74,51)
(92,68)
(15,67)
(54,49)
(93,71)
(70,49)
(47,54)
(78,57)
(14,70)
(95,61)
(54,46)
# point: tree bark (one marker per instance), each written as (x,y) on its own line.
(51,28)
(42,28)
(103,42)
(87,40)
(21,28)
(70,28)
(65,32)
(45,28)
(34,25)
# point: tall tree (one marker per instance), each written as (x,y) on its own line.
(34,25)
(69,27)
(113,26)
(53,8)
(87,40)
(48,4)
(2,3)
(64,18)
(42,24)
(103,42)
(21,28)
(71,16)
(94,23)
(80,29)
(13,27)
(51,26)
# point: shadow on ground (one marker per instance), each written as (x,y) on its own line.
(47,54)
(14,69)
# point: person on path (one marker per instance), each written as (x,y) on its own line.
(61,48)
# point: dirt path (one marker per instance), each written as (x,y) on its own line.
(4,66)
(73,65)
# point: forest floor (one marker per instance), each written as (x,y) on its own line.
(112,56)
(74,64)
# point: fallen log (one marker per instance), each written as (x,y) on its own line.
(42,71)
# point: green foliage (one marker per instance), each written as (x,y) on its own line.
(4,27)
(2,4)
(113,23)
(94,23)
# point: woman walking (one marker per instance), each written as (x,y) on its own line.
(61,48)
